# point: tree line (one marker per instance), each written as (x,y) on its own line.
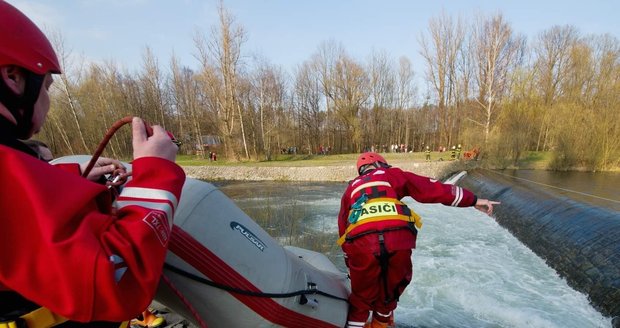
(486,87)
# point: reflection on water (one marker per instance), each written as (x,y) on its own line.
(468,270)
(595,188)
(294,213)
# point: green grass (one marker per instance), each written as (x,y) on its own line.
(310,160)
(530,160)
(281,160)
(536,160)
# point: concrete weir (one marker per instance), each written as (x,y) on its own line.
(581,242)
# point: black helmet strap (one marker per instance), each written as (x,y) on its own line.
(22,107)
(376,165)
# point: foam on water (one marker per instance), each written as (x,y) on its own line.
(470,272)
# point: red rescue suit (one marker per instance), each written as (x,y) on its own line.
(377,229)
(64,246)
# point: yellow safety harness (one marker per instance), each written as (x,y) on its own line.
(41,318)
(379,209)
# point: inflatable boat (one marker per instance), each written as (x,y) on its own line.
(224,270)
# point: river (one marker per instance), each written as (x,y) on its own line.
(594,188)
(468,270)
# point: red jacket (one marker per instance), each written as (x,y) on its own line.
(392,183)
(64,246)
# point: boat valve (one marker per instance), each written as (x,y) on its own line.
(303,300)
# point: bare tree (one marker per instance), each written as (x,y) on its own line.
(50,133)
(382,84)
(351,92)
(269,89)
(405,96)
(96,94)
(66,85)
(152,88)
(224,51)
(605,100)
(324,62)
(441,53)
(552,50)
(307,96)
(185,91)
(496,51)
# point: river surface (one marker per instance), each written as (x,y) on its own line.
(468,270)
(600,189)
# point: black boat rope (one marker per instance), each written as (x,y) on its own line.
(312,291)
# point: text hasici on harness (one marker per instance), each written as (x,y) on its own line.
(357,207)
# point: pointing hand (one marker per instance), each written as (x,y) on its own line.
(485,205)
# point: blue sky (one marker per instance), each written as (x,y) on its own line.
(287,32)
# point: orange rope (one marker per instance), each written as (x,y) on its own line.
(108,135)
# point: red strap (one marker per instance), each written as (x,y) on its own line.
(202,259)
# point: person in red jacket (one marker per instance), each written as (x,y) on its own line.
(148,317)
(378,232)
(66,251)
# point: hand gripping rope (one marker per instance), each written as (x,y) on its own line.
(108,135)
(149,132)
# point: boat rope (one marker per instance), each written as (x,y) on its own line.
(111,131)
(248,292)
(555,187)
(104,142)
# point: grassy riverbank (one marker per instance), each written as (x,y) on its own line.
(341,167)
(312,160)
(338,168)
(529,161)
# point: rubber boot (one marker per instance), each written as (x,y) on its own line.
(149,320)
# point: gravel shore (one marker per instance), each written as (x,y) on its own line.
(437,170)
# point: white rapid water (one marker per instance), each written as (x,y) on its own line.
(468,270)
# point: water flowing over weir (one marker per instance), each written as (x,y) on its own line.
(468,270)
(581,242)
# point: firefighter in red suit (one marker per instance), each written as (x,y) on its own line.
(378,232)
(68,256)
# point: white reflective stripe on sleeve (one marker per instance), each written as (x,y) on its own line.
(370,184)
(164,207)
(384,315)
(355,324)
(458,197)
(149,193)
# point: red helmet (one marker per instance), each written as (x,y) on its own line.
(23,44)
(369,158)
